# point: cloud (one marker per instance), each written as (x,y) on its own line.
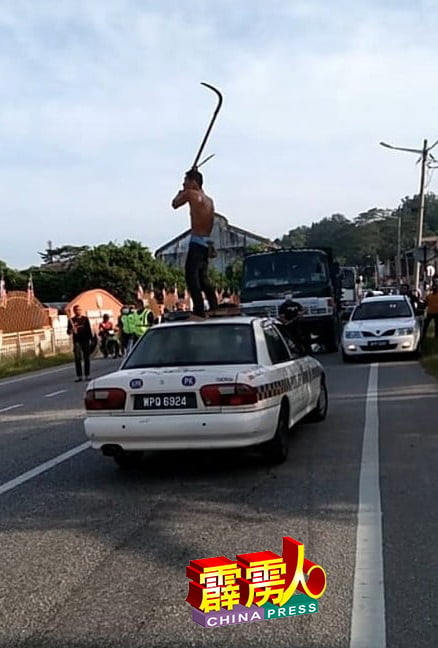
(103,112)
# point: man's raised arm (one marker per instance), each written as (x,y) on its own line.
(180,199)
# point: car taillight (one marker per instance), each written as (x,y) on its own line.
(330,302)
(105,399)
(228,394)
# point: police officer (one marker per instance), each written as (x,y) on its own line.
(290,313)
(144,319)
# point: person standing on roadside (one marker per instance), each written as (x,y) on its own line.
(432,310)
(80,328)
(201,247)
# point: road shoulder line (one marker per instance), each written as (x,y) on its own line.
(44,467)
(368,627)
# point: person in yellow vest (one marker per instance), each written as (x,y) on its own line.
(127,328)
(144,319)
(432,310)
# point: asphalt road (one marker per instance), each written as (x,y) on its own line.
(91,556)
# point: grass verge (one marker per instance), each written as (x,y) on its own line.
(429,358)
(15,366)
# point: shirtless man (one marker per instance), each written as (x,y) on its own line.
(202,219)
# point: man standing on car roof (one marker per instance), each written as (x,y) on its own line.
(201,247)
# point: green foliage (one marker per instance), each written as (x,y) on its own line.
(31,362)
(233,275)
(64,254)
(371,233)
(119,269)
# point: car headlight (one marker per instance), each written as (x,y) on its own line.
(405,331)
(352,334)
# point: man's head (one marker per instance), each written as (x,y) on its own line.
(193,180)
(77,310)
(106,317)
(404,289)
(140,304)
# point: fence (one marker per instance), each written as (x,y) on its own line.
(45,342)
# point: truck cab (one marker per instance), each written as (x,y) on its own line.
(309,276)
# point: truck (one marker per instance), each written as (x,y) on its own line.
(309,276)
(350,284)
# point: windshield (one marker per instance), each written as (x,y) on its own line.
(384,309)
(194,344)
(285,269)
(348,278)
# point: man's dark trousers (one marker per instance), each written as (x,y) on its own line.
(82,350)
(196,272)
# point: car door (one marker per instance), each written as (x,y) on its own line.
(301,361)
(285,370)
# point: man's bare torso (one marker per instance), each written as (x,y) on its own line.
(201,213)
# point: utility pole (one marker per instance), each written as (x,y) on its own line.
(424,153)
(398,270)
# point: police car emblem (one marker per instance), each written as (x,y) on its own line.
(136,383)
(188,381)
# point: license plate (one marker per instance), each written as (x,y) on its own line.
(186,400)
(378,343)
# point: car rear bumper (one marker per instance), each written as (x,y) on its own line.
(170,432)
(356,347)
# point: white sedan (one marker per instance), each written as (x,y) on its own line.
(381,325)
(225,382)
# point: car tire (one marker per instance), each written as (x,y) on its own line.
(128,460)
(320,411)
(331,338)
(276,450)
(416,355)
(346,358)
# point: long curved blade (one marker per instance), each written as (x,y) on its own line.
(210,126)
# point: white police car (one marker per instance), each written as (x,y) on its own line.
(220,383)
(381,325)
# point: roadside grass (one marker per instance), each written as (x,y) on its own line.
(30,362)
(429,358)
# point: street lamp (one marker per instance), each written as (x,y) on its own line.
(424,153)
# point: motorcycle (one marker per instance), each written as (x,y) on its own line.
(109,344)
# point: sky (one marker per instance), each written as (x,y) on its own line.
(102,112)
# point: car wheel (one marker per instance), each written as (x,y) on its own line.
(417,353)
(320,411)
(277,449)
(331,335)
(128,460)
(346,358)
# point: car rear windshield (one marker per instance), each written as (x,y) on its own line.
(194,344)
(384,309)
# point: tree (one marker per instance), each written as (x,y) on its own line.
(65,254)
(295,238)
(14,279)
(119,269)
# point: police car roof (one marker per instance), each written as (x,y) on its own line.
(380,298)
(223,319)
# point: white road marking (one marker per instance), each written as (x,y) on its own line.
(33,374)
(47,465)
(368,627)
(11,407)
(60,391)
